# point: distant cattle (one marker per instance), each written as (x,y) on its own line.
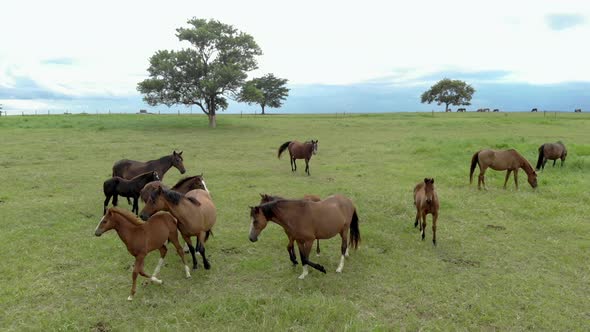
(460,110)
(496,110)
(578,110)
(534,110)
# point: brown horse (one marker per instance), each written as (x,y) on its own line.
(264,198)
(298,150)
(142,238)
(194,211)
(426,202)
(509,160)
(304,221)
(117,186)
(551,151)
(183,186)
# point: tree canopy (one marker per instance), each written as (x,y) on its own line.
(265,91)
(449,92)
(213,68)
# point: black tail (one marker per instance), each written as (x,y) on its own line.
(541,157)
(207,233)
(283,147)
(474,162)
(355,234)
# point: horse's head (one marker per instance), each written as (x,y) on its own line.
(259,222)
(154,202)
(177,161)
(315,146)
(532,178)
(200,182)
(107,222)
(429,190)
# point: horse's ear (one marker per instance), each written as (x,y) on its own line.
(261,195)
(180,153)
(432,181)
(425,180)
(174,152)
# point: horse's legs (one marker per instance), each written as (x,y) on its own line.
(434,218)
(201,248)
(304,249)
(418,217)
(343,248)
(423,230)
(562,161)
(163,251)
(191,249)
(507,176)
(135,205)
(128,200)
(554,161)
(317,251)
(106,203)
(294,164)
(544,162)
(291,251)
(516,178)
(173,237)
(307,166)
(138,269)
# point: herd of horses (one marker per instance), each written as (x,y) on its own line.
(187,208)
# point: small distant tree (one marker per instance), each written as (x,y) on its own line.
(449,92)
(265,91)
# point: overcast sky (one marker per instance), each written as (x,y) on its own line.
(101,48)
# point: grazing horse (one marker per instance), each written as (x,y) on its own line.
(305,221)
(551,151)
(460,109)
(426,201)
(264,198)
(142,238)
(496,110)
(298,150)
(501,160)
(117,186)
(194,211)
(578,110)
(534,110)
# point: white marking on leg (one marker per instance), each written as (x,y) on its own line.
(422,232)
(130,298)
(305,272)
(346,254)
(205,186)
(158,267)
(185,248)
(156,280)
(187,271)
(339,269)
(97,226)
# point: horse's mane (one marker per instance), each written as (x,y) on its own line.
(272,209)
(128,215)
(526,165)
(183,181)
(175,197)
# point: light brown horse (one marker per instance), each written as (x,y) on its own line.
(183,186)
(264,198)
(298,150)
(142,238)
(305,221)
(500,160)
(551,151)
(194,211)
(426,202)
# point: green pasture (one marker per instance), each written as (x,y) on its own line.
(505,259)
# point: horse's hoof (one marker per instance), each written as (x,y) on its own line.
(156,280)
(322,269)
(130,298)
(434,242)
(207,266)
(338,270)
(194,267)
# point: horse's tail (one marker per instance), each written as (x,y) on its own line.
(541,157)
(355,234)
(207,233)
(474,162)
(283,147)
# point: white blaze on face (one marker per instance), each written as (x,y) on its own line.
(204,185)
(97,226)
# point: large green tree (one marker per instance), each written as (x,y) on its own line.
(205,74)
(265,91)
(449,92)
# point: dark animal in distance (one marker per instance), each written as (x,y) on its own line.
(578,110)
(117,186)
(298,150)
(142,238)
(534,110)
(306,221)
(426,202)
(461,109)
(551,151)
(500,160)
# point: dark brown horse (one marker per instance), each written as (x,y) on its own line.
(551,151)
(142,238)
(195,212)
(426,202)
(264,198)
(183,186)
(298,150)
(509,160)
(117,186)
(305,221)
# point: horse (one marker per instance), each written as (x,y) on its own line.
(194,211)
(460,109)
(426,202)
(305,221)
(264,198)
(117,186)
(501,160)
(128,169)
(534,110)
(142,238)
(496,110)
(298,150)
(183,186)
(551,151)
(578,110)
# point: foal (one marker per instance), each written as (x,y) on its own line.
(142,238)
(117,186)
(298,150)
(426,201)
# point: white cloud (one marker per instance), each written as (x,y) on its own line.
(331,42)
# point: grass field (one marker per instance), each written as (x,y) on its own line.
(505,260)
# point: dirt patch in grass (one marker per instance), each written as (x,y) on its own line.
(101,327)
(461,262)
(498,228)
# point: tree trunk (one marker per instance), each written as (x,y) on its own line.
(446,108)
(262,109)
(212,120)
